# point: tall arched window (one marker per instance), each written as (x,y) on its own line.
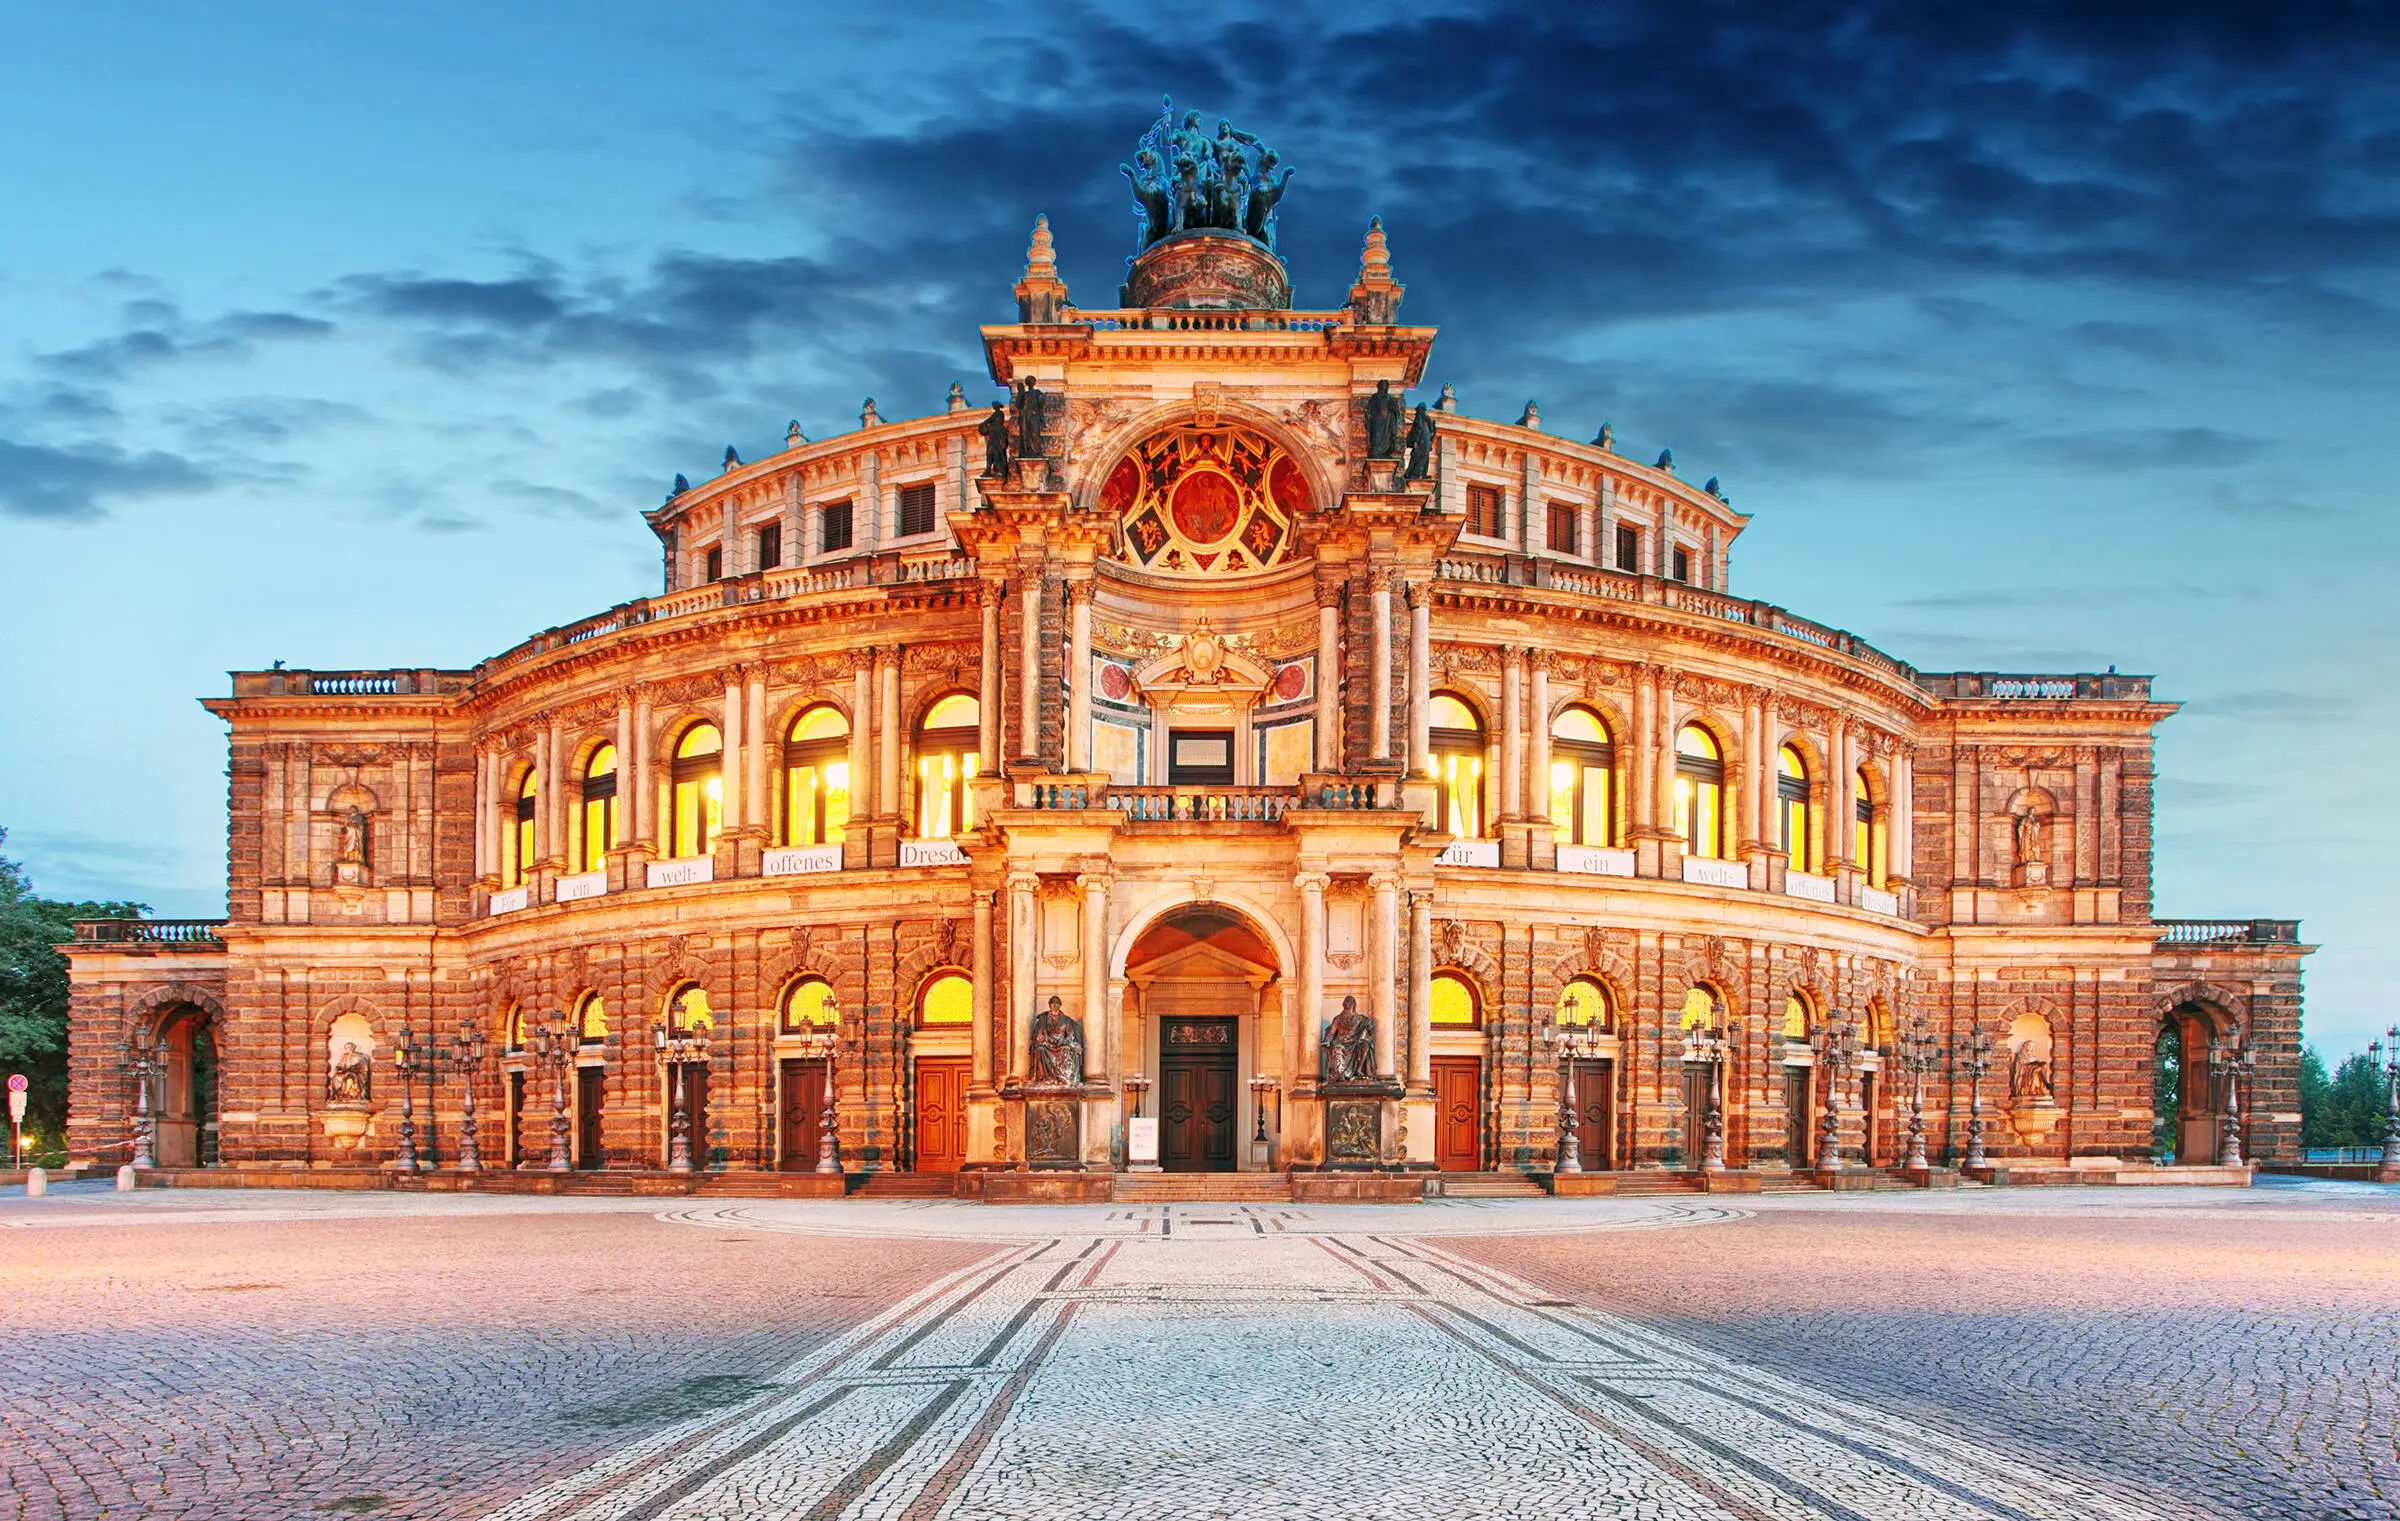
(1700,792)
(1703,1009)
(1457,736)
(947,999)
(1867,831)
(1583,1004)
(949,746)
(519,865)
(1582,760)
(1795,1017)
(688,1012)
(816,778)
(807,1006)
(591,1021)
(512,1028)
(696,801)
(1454,1004)
(599,807)
(1791,807)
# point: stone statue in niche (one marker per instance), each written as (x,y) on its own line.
(1384,414)
(352,1076)
(2033,839)
(354,837)
(1057,1047)
(1420,445)
(995,431)
(1348,1047)
(1032,421)
(2029,1080)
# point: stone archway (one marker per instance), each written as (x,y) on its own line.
(2187,1096)
(1201,979)
(183,1100)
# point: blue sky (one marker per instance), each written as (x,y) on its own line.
(2037,341)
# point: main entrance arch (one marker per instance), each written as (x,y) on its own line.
(184,1102)
(1202,984)
(2187,1093)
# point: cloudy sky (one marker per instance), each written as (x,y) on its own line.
(2037,337)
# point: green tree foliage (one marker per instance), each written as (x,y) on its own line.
(33,996)
(2346,1109)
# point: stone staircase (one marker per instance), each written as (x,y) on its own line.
(907,1185)
(1489,1185)
(1203,1188)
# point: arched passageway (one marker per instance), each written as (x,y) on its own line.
(1201,1010)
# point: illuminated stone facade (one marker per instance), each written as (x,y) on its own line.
(1343,809)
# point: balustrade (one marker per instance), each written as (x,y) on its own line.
(194,932)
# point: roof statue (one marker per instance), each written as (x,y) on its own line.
(732,457)
(793,438)
(1666,461)
(1187,181)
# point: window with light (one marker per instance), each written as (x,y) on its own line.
(1457,744)
(949,746)
(599,807)
(1703,1009)
(948,999)
(816,778)
(1866,831)
(1454,1003)
(1582,765)
(1700,793)
(1583,1005)
(688,1012)
(808,1007)
(591,1021)
(1791,807)
(519,865)
(512,1028)
(1795,1018)
(696,801)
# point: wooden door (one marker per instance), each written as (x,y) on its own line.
(1198,1098)
(516,1119)
(1870,1153)
(695,1111)
(801,1111)
(1457,1113)
(1798,1115)
(941,1113)
(1595,1109)
(1695,1114)
(589,1153)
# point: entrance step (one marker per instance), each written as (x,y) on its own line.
(1203,1188)
(1489,1185)
(1639,1184)
(907,1185)
(770,1185)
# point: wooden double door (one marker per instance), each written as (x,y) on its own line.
(800,1112)
(1592,1108)
(1458,1113)
(1198,1094)
(941,1113)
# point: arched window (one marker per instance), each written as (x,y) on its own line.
(1700,793)
(807,1007)
(1866,831)
(519,865)
(1703,1009)
(1457,736)
(696,801)
(688,1012)
(1454,1002)
(599,807)
(1582,758)
(1791,806)
(1583,1004)
(1795,1017)
(816,778)
(591,1021)
(512,1028)
(949,746)
(947,999)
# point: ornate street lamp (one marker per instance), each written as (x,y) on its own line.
(675,1050)
(553,1047)
(821,1043)
(1710,1048)
(466,1059)
(1260,1086)
(2388,1050)
(2236,1062)
(140,1058)
(410,1057)
(1971,1053)
(1836,1041)
(1576,1040)
(1137,1084)
(1920,1052)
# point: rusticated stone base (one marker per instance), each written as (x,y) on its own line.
(1357,1188)
(1048,1187)
(1583,1185)
(1730,1181)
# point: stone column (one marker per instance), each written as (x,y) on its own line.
(1420,989)
(862,728)
(543,834)
(1079,675)
(1662,751)
(1420,679)
(627,791)
(1029,668)
(1837,799)
(1758,810)
(1383,966)
(1298,1059)
(1537,765)
(1379,678)
(483,813)
(1329,678)
(1022,960)
(734,762)
(1902,831)
(987,704)
(1512,733)
(645,794)
(754,806)
(980,950)
(888,792)
(1096,1032)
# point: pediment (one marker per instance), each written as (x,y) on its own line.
(1202,962)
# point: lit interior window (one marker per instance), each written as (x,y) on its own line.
(697,803)
(948,1000)
(816,777)
(1791,806)
(1699,793)
(949,749)
(599,807)
(1583,1003)
(1453,1001)
(591,1020)
(1582,760)
(1701,1010)
(1457,742)
(807,1005)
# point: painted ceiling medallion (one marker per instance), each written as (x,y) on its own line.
(1203,500)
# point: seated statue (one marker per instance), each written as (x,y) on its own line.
(1057,1047)
(1348,1047)
(350,1077)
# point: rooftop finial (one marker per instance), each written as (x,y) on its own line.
(1041,294)
(1449,398)
(866,414)
(1040,258)
(1666,461)
(1532,417)
(1606,438)
(958,397)
(733,458)
(793,438)
(1376,296)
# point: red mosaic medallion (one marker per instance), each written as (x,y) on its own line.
(1291,681)
(1115,685)
(1205,507)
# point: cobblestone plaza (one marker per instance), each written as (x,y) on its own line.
(2005,1353)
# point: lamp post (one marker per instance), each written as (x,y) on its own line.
(1137,1084)
(1710,1048)
(1971,1053)
(2388,1050)
(1836,1041)
(2236,1062)
(410,1057)
(822,1043)
(466,1059)
(675,1049)
(1260,1086)
(140,1058)
(553,1047)
(1919,1052)
(1577,1040)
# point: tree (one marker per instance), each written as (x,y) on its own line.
(2347,1109)
(33,995)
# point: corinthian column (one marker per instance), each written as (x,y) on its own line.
(987,706)
(1537,735)
(1420,679)
(1096,1034)
(862,726)
(1379,680)
(1021,963)
(735,757)
(627,788)
(1383,966)
(1301,1029)
(645,794)
(1420,990)
(887,737)
(1512,735)
(979,948)
(1079,674)
(754,804)
(1029,668)
(1329,678)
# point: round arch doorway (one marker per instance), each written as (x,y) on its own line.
(183,1104)
(1202,982)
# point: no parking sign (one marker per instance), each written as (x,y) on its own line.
(16,1098)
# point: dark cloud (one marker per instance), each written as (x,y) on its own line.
(75,484)
(156,333)
(2125,450)
(2151,340)
(2267,706)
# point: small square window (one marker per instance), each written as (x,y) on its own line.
(1683,565)
(836,531)
(916,509)
(1483,511)
(1562,528)
(716,563)
(770,546)
(1629,549)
